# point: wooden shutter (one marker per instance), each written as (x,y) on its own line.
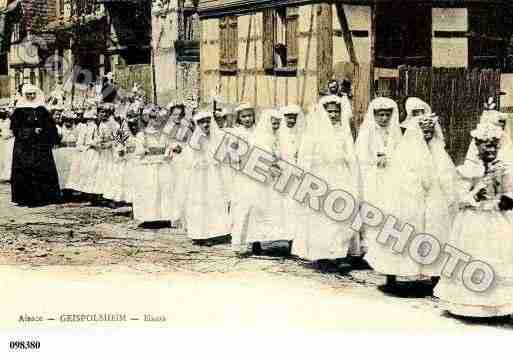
(33,77)
(324,45)
(292,39)
(269,30)
(234,43)
(223,60)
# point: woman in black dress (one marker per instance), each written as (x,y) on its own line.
(34,175)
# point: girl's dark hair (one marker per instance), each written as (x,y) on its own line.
(180,106)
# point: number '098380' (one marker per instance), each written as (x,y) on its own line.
(24,345)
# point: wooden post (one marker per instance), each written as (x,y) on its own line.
(372,50)
(153,76)
(346,32)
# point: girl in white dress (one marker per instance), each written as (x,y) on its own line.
(66,149)
(420,191)
(483,230)
(327,151)
(6,147)
(206,210)
(107,129)
(115,191)
(266,217)
(126,160)
(378,137)
(174,181)
(153,153)
(291,134)
(241,193)
(89,159)
(74,175)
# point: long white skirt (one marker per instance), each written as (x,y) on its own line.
(206,210)
(104,175)
(430,214)
(89,164)
(174,182)
(486,236)
(242,196)
(266,217)
(63,159)
(116,185)
(6,153)
(74,176)
(318,236)
(149,187)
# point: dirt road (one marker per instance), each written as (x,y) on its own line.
(75,266)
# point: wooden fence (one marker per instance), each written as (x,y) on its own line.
(456,95)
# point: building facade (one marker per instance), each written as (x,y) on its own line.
(277,52)
(152,44)
(175,42)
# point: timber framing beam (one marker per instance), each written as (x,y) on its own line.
(346,32)
(218,8)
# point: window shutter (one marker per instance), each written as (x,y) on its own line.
(234,43)
(268,38)
(223,62)
(292,39)
(324,45)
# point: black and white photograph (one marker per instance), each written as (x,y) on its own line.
(286,170)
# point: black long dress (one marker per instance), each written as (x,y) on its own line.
(34,179)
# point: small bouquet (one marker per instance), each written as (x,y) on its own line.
(120,138)
(275,169)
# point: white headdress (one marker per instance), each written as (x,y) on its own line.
(264,136)
(201,115)
(299,128)
(37,102)
(490,120)
(412,104)
(415,158)
(418,167)
(291,109)
(323,145)
(243,107)
(368,142)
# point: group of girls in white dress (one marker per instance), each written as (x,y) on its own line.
(165,163)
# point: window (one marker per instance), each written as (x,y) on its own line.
(490,34)
(229,44)
(136,56)
(187,46)
(33,77)
(16,32)
(41,79)
(188,25)
(18,79)
(61,8)
(84,7)
(4,70)
(403,35)
(280,39)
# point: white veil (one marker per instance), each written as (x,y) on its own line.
(365,143)
(37,102)
(264,136)
(415,167)
(472,161)
(323,145)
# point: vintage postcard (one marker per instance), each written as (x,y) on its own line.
(260,166)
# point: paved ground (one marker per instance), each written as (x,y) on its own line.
(72,259)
